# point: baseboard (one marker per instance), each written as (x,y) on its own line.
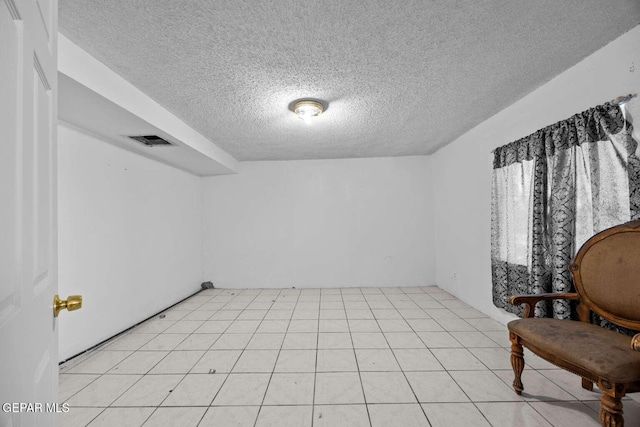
(95,347)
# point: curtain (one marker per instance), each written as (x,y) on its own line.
(552,191)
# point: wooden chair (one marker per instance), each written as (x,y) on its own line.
(606,274)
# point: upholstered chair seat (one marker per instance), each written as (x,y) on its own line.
(580,345)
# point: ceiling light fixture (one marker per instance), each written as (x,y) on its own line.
(307,109)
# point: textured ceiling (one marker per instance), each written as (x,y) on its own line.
(401,78)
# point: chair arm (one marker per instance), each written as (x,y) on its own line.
(530,301)
(635,342)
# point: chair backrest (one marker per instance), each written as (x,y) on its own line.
(606,273)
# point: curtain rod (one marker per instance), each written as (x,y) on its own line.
(621,100)
(624,99)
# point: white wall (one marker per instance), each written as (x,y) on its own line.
(357,222)
(129,238)
(462,170)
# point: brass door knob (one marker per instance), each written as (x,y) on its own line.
(73,302)
(635,342)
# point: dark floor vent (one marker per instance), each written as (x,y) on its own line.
(151,140)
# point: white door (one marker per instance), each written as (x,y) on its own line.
(28,241)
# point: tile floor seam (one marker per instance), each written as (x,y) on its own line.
(97,415)
(407,379)
(542,415)
(404,374)
(276,361)
(230,370)
(241,353)
(315,372)
(453,379)
(355,355)
(92,381)
(187,373)
(146,419)
(563,388)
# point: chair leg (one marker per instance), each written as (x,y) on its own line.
(611,405)
(517,362)
(587,385)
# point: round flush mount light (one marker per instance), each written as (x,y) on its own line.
(307,109)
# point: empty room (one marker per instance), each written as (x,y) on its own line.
(319,214)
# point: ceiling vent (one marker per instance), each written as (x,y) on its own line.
(151,140)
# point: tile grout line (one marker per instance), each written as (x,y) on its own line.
(187,373)
(454,380)
(399,366)
(275,363)
(105,373)
(244,348)
(136,382)
(315,370)
(212,344)
(184,375)
(427,348)
(205,352)
(355,356)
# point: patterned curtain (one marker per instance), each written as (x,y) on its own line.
(552,191)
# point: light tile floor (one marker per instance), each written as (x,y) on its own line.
(375,357)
